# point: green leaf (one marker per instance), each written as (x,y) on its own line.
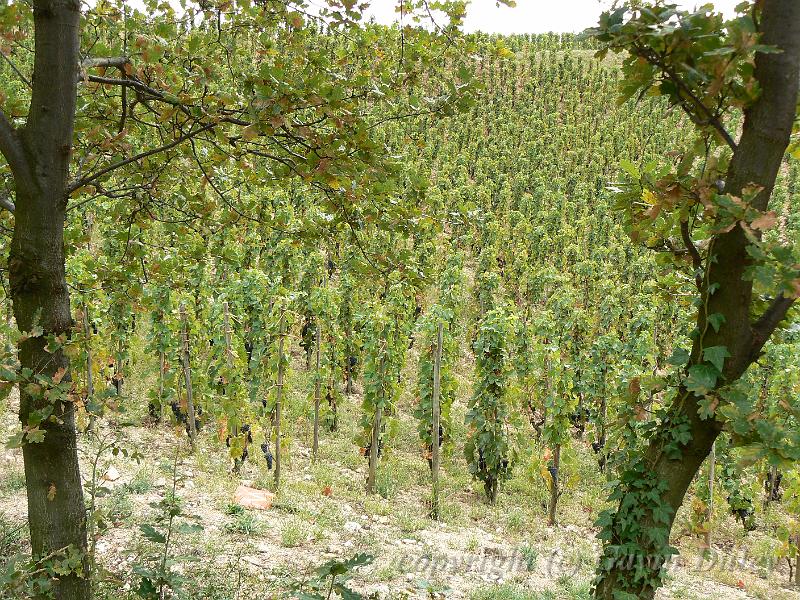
(189,528)
(630,168)
(702,378)
(716,320)
(146,589)
(679,357)
(34,435)
(152,534)
(716,355)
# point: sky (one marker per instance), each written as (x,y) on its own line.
(529,16)
(533,16)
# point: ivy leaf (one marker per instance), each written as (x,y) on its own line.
(716,355)
(702,378)
(716,320)
(679,357)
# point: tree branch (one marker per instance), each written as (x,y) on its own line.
(11,148)
(14,68)
(697,261)
(137,157)
(134,83)
(710,117)
(767,323)
(5,202)
(113,61)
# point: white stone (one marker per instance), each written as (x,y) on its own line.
(111,475)
(352,527)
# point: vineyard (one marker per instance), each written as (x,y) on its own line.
(298,305)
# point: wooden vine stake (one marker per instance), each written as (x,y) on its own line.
(771,486)
(376,434)
(226,322)
(226,326)
(317,385)
(118,377)
(187,374)
(712,459)
(373,451)
(437,365)
(162,363)
(87,333)
(278,398)
(554,489)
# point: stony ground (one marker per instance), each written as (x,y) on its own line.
(321,512)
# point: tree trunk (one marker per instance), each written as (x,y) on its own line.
(56,512)
(38,156)
(756,160)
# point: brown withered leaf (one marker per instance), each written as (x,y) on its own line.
(766,221)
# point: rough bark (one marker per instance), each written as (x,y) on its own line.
(39,157)
(756,160)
